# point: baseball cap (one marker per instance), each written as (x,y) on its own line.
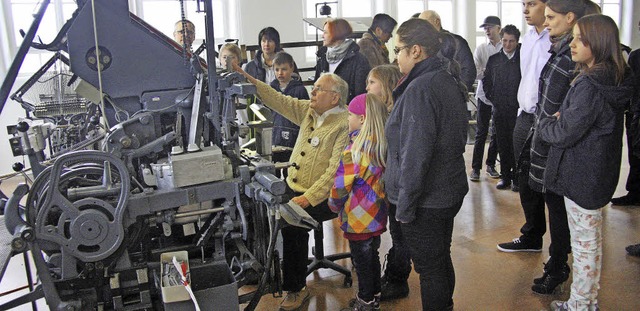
(491,21)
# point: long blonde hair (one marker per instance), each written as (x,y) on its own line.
(371,140)
(388,75)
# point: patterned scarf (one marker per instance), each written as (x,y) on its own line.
(336,53)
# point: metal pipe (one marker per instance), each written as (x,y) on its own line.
(201,212)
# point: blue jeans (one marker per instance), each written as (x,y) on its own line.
(429,240)
(364,255)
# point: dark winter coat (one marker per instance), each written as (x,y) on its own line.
(586,140)
(426,134)
(501,81)
(555,81)
(633,129)
(353,69)
(464,57)
(285,132)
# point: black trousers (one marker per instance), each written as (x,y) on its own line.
(505,122)
(633,180)
(429,240)
(482,130)
(399,258)
(532,201)
(295,249)
(560,245)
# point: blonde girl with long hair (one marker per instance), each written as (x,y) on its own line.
(358,194)
(381,82)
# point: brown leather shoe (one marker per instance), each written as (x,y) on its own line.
(294,300)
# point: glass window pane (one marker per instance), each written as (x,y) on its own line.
(356,8)
(406,9)
(22,12)
(613,11)
(484,9)
(445,10)
(33,61)
(512,14)
(67,10)
(198,20)
(162,15)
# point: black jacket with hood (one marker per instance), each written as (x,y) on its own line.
(586,140)
(426,135)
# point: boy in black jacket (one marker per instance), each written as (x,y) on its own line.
(287,82)
(500,84)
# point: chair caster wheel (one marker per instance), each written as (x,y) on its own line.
(348,281)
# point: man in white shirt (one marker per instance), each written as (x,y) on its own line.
(491,26)
(534,54)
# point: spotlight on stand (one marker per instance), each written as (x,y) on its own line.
(325,10)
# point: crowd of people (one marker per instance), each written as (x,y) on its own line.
(380,145)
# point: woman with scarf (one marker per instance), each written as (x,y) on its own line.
(342,56)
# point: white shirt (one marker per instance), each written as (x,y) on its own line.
(509,55)
(332,67)
(481,57)
(534,54)
(270,73)
(320,117)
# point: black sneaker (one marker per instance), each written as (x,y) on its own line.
(491,171)
(393,290)
(503,184)
(549,283)
(474,175)
(545,273)
(626,200)
(518,245)
(633,250)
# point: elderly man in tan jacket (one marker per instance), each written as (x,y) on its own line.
(324,133)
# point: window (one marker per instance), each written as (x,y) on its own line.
(406,9)
(20,17)
(509,11)
(611,8)
(445,10)
(163,14)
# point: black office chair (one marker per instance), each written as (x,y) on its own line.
(320,261)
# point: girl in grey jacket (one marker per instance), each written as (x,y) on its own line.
(586,147)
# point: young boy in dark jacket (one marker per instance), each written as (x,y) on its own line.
(286,82)
(500,84)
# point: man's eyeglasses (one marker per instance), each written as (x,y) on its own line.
(397,49)
(317,89)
